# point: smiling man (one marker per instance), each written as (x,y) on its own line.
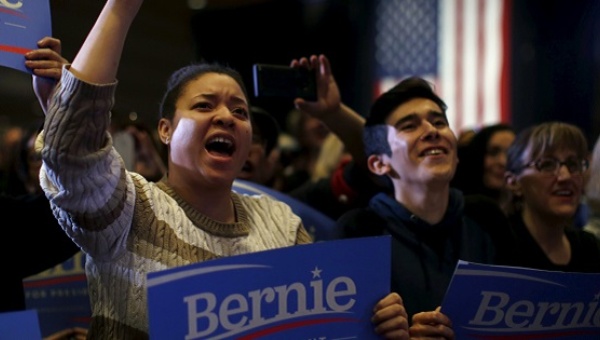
(408,139)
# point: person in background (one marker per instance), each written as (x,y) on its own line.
(465,136)
(545,175)
(263,163)
(9,150)
(407,138)
(351,184)
(309,134)
(482,162)
(22,178)
(45,243)
(592,193)
(136,144)
(319,201)
(206,126)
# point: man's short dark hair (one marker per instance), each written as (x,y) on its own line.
(375,134)
(407,89)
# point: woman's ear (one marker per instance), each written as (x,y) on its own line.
(164,130)
(512,183)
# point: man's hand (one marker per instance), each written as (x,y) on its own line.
(431,325)
(390,318)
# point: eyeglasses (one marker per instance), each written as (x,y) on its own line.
(551,166)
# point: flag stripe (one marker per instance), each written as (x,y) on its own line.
(481,74)
(460,59)
(470,48)
(505,74)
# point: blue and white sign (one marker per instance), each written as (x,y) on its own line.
(22,24)
(499,302)
(324,290)
(20,325)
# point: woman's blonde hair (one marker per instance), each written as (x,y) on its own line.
(539,140)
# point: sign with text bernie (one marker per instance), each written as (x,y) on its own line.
(324,290)
(499,302)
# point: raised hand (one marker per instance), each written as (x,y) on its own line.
(46,64)
(346,123)
(328,94)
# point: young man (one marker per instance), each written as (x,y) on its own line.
(408,139)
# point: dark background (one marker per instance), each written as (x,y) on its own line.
(555,53)
(555,60)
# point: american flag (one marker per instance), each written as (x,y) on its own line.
(461,46)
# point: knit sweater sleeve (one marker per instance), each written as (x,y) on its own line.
(83,176)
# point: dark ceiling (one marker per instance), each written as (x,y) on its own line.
(167,35)
(159,41)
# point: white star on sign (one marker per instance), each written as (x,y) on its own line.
(316,273)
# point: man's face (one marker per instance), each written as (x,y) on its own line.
(422,143)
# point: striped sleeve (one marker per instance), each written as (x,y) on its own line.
(84,177)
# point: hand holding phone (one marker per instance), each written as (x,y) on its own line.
(284,82)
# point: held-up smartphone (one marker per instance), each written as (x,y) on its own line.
(284,82)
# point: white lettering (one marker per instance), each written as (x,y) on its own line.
(283,291)
(485,306)
(211,302)
(317,286)
(496,307)
(11,5)
(256,297)
(225,311)
(544,309)
(514,311)
(333,293)
(590,312)
(234,311)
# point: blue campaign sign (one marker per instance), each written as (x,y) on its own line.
(60,296)
(20,325)
(22,24)
(493,302)
(319,225)
(324,290)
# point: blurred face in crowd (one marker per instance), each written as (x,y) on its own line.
(422,143)
(495,159)
(314,132)
(259,167)
(34,161)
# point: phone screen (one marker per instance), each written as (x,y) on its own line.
(284,82)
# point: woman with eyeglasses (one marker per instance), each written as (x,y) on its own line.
(545,175)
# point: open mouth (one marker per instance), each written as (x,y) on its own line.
(220,145)
(433,152)
(563,193)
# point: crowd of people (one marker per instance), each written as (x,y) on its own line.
(23,202)
(499,196)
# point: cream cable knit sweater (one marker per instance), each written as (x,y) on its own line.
(128,226)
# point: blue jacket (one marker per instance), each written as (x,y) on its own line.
(424,256)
